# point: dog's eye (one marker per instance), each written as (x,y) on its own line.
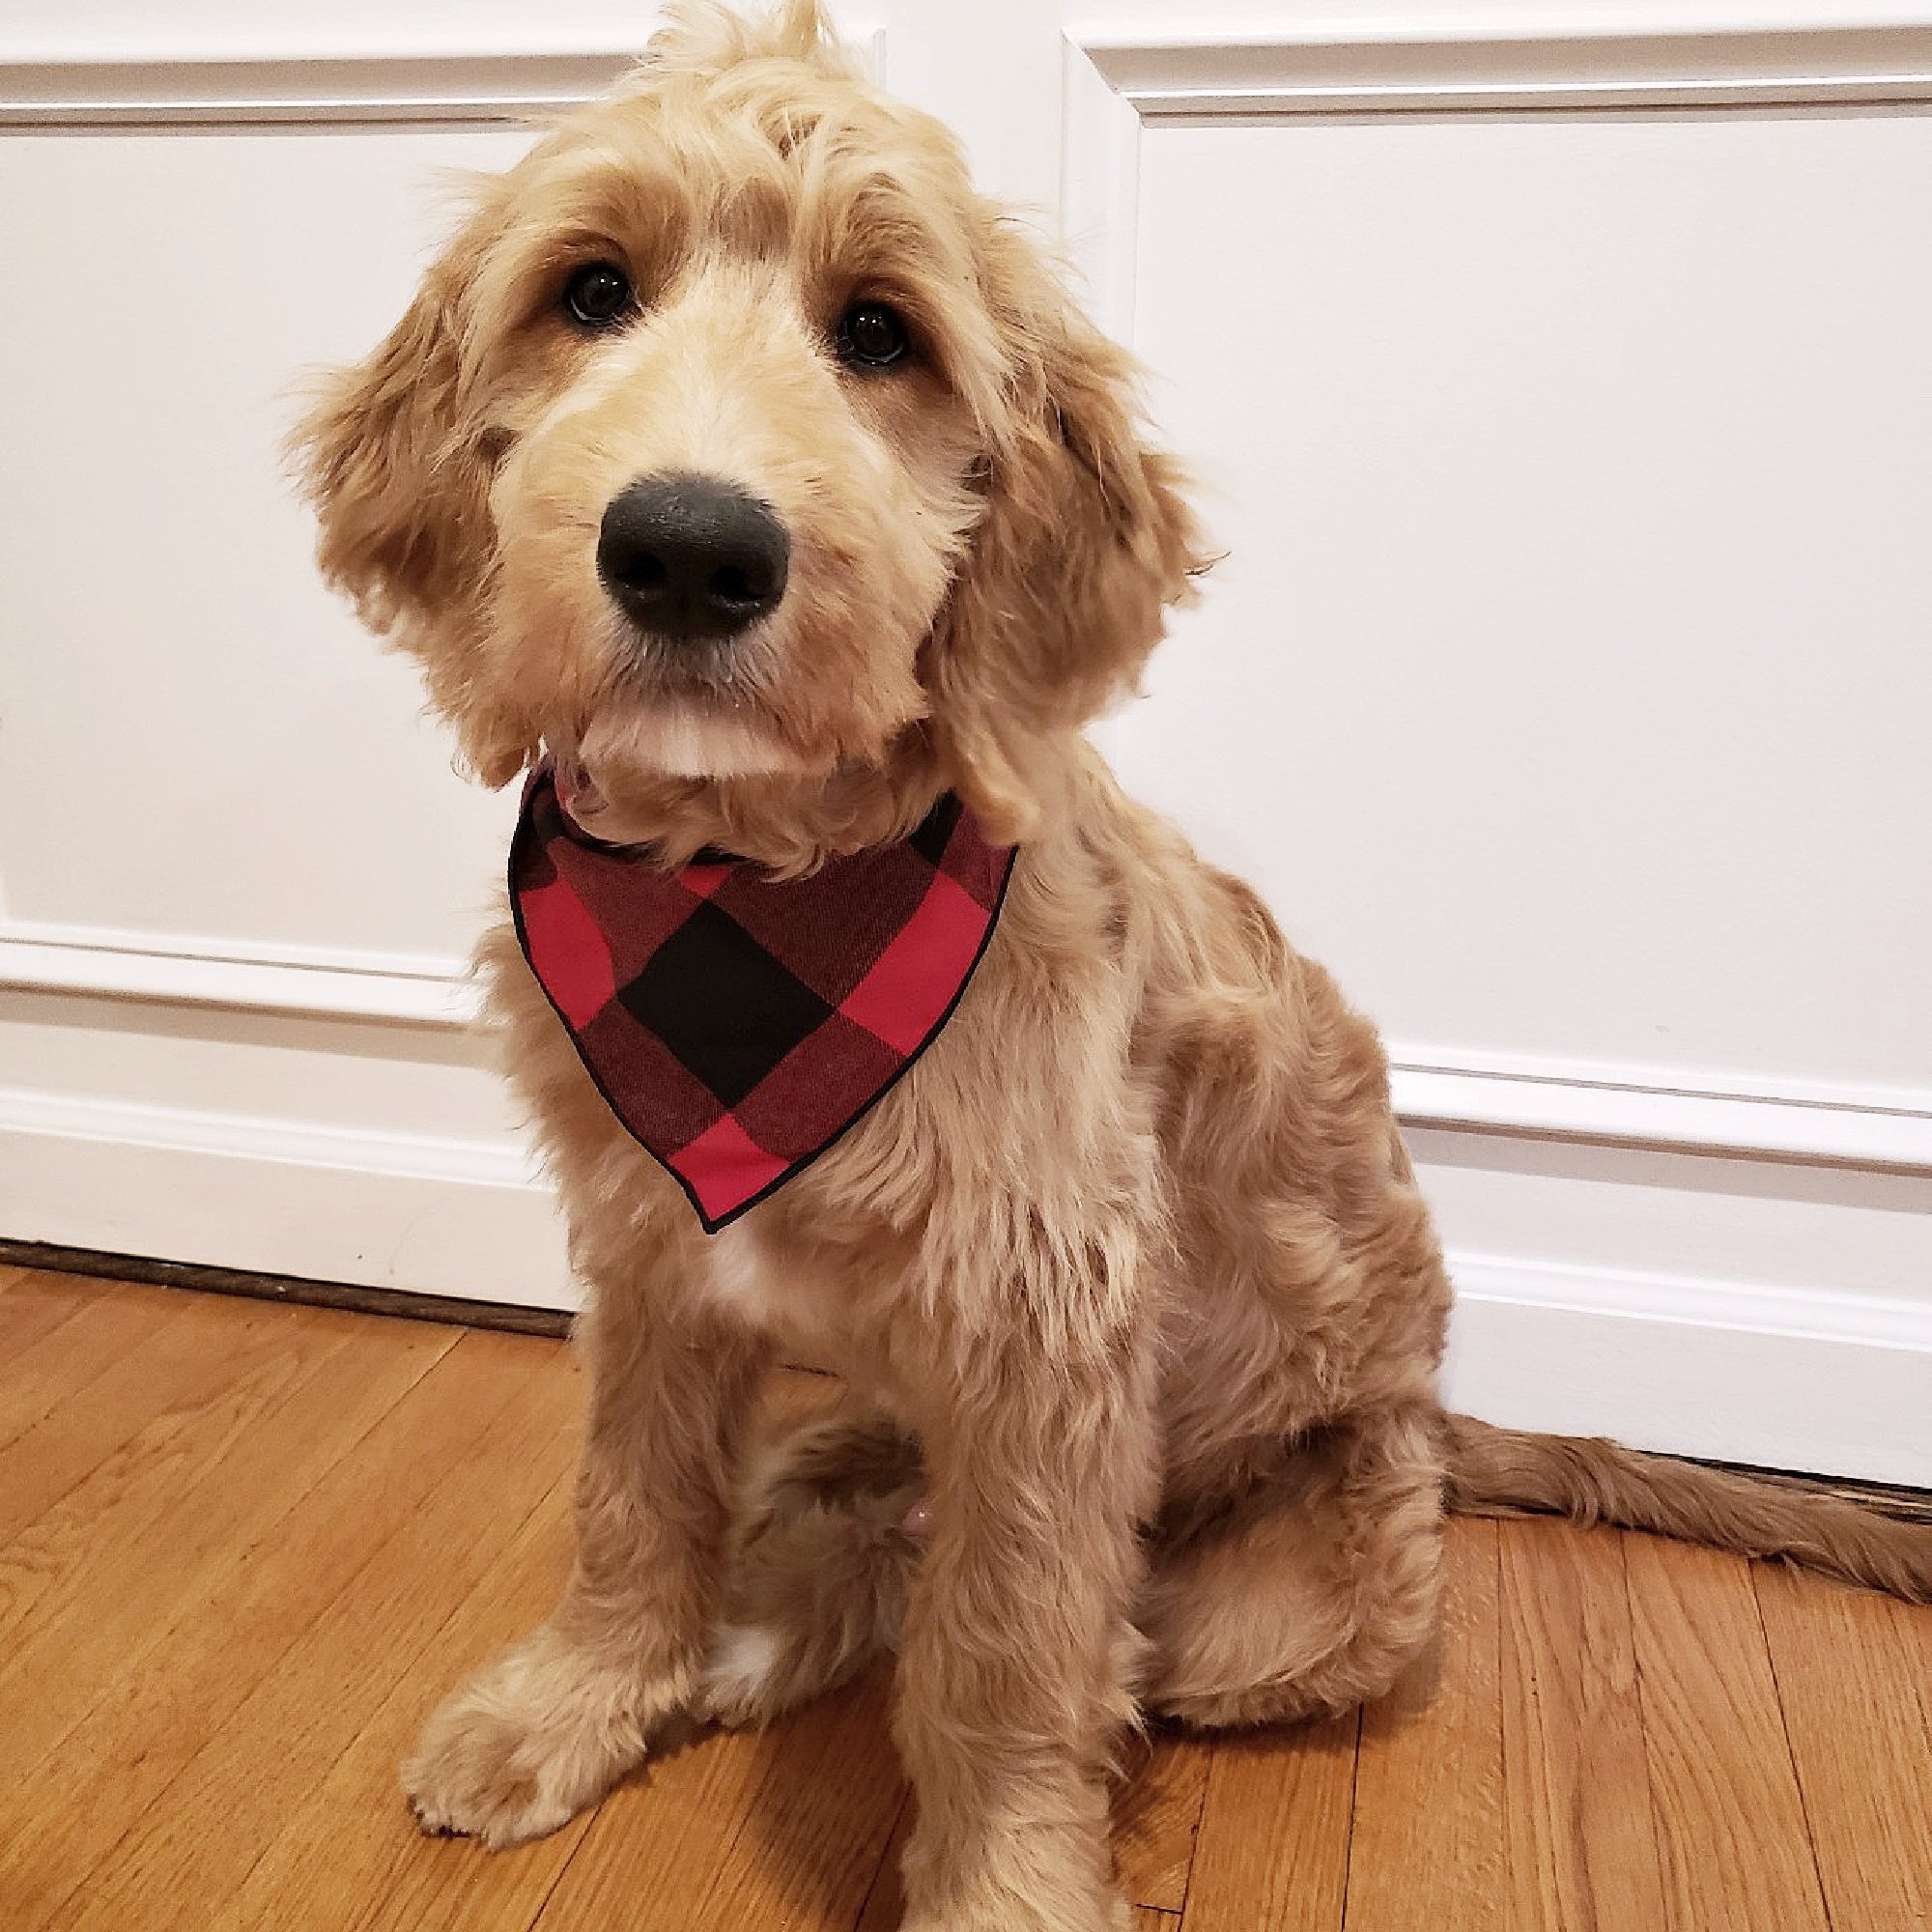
(872,335)
(597,295)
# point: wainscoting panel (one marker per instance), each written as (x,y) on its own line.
(1557,398)
(1555,380)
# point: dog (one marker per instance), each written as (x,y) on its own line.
(745,476)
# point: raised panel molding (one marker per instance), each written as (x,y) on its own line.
(1657,1107)
(370,89)
(1433,73)
(1508,1093)
(414,989)
(1819,1377)
(1116,85)
(1805,1377)
(202,89)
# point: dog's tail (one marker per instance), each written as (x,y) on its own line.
(1508,1472)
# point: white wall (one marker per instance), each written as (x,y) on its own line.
(1561,404)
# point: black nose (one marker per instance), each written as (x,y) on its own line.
(689,557)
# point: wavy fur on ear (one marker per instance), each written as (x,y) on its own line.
(396,464)
(1086,540)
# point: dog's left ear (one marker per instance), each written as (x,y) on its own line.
(398,472)
(1086,539)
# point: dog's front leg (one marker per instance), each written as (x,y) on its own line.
(549,1727)
(1017,1664)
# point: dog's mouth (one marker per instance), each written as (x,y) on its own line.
(612,772)
(654,668)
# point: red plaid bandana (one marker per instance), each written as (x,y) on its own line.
(736,1024)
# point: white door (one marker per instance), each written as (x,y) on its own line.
(1558,391)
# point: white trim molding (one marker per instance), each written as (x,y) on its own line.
(505,85)
(1781,1118)
(363,88)
(1785,1118)
(315,982)
(1115,86)
(472,1160)
(1208,77)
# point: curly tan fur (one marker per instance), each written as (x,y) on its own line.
(1130,1281)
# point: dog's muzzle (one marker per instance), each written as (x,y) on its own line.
(687,557)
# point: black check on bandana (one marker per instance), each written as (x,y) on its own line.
(738,1024)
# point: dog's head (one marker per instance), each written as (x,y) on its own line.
(736,441)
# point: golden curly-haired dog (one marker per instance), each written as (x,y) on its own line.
(1137,1305)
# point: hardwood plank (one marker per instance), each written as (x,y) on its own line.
(1849,1686)
(152,1363)
(91,1647)
(1428,1842)
(661,1837)
(406,1413)
(31,1304)
(224,1633)
(1156,1814)
(74,1336)
(195,1845)
(1580,1837)
(1731,1829)
(348,1855)
(137,1517)
(816,1829)
(1273,1849)
(1914,1624)
(788,1827)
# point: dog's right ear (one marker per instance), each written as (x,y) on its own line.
(1086,539)
(399,477)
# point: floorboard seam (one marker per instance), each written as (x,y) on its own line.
(1194,1835)
(885,1859)
(1348,1848)
(1791,1751)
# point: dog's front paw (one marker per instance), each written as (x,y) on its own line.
(526,1744)
(1050,1882)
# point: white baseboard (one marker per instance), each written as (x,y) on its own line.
(438,1216)
(1837,1383)
(1792,1378)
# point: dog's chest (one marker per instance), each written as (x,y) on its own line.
(804,1312)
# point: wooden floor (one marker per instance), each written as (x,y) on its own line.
(244,1547)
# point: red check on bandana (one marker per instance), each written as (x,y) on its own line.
(738,1024)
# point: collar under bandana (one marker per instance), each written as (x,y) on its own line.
(737,1024)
